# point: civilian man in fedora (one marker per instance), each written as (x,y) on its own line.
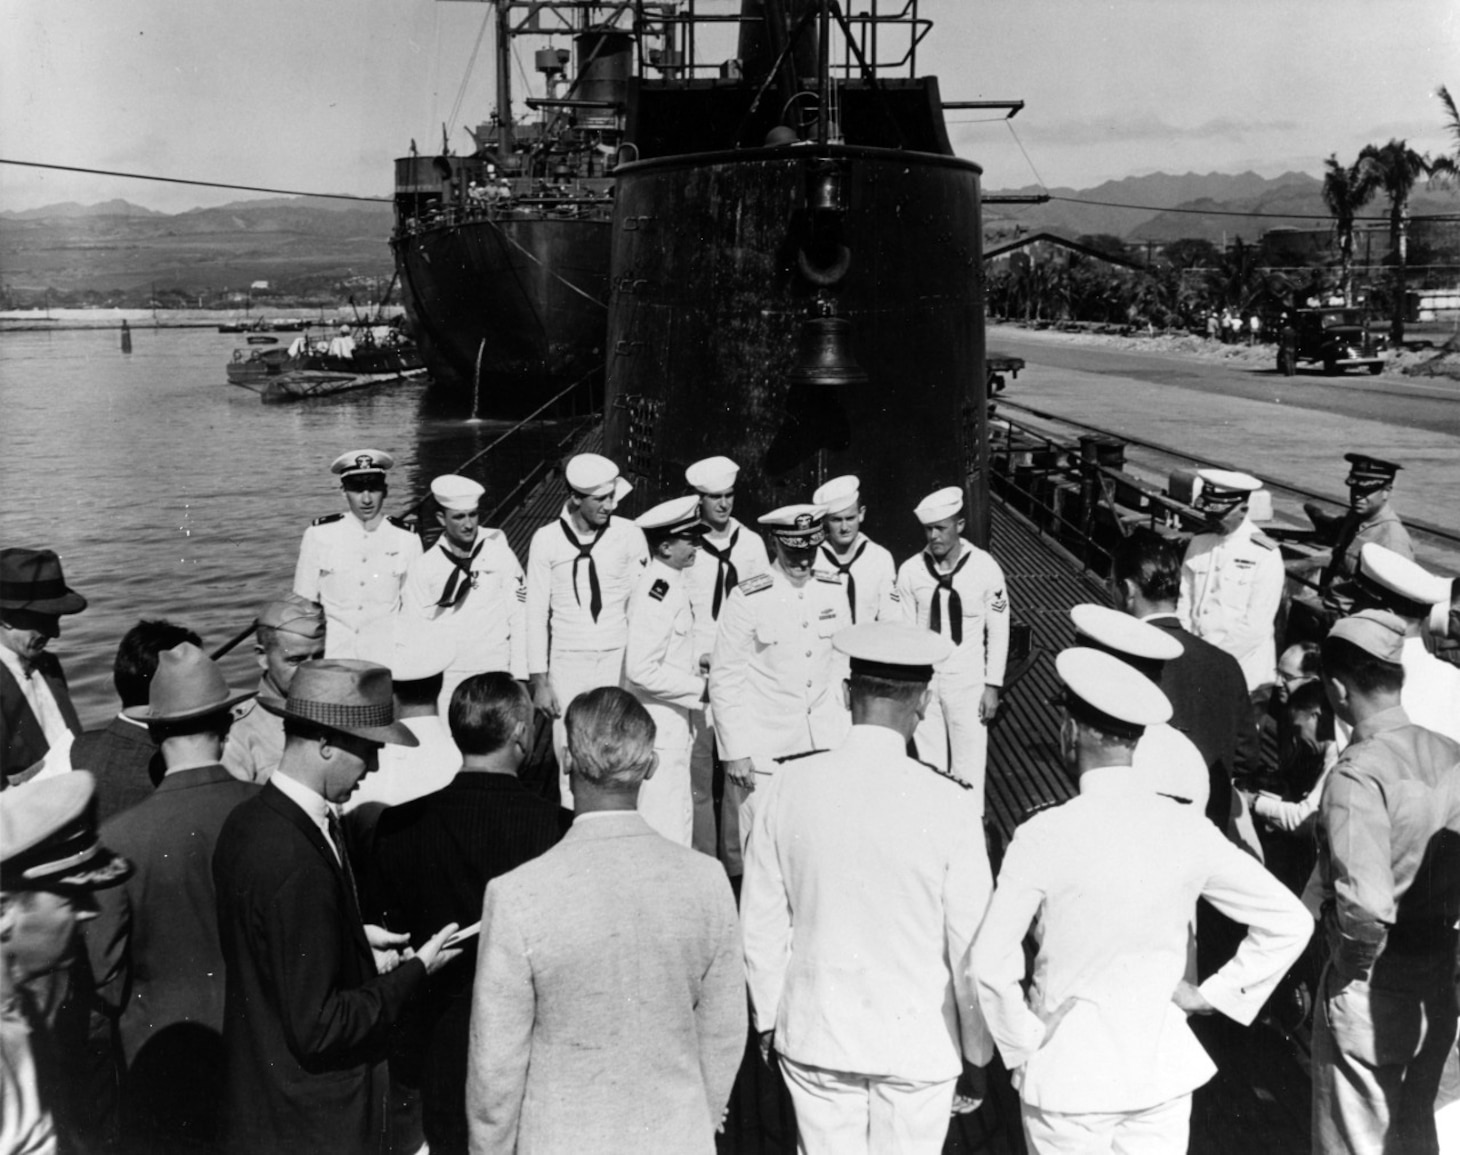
(312,991)
(37,720)
(154,947)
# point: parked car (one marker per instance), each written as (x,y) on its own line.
(1335,337)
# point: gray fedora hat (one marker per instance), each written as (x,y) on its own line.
(350,696)
(188,684)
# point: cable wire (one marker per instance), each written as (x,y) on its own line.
(199,183)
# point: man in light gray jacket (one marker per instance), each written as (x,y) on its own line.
(609,1008)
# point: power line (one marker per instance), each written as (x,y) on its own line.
(199,183)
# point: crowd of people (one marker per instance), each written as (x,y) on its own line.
(343,911)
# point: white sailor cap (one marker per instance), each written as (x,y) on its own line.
(452,491)
(594,475)
(893,650)
(1376,632)
(1122,635)
(356,462)
(939,505)
(796,526)
(677,516)
(1109,694)
(839,494)
(712,475)
(1226,486)
(1395,574)
(418,653)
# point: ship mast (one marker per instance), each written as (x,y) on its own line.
(505,142)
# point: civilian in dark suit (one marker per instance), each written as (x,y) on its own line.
(433,859)
(154,946)
(311,990)
(122,754)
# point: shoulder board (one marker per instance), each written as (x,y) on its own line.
(833,577)
(658,589)
(1260,538)
(753,585)
(401,523)
(1175,798)
(793,757)
(959,782)
(328,519)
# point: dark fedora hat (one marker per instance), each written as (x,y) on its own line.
(350,696)
(31,579)
(188,684)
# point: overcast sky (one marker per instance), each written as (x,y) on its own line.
(320,95)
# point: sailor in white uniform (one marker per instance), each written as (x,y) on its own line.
(1166,756)
(581,570)
(775,681)
(1431,693)
(1100,1049)
(956,589)
(354,563)
(1232,579)
(468,590)
(866,879)
(870,572)
(730,552)
(661,667)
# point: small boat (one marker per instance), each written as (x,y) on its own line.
(372,352)
(260,339)
(233,327)
(302,384)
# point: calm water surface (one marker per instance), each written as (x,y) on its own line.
(169,493)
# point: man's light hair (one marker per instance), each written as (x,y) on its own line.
(611,738)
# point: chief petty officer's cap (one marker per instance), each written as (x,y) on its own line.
(1104,692)
(593,475)
(839,494)
(1122,635)
(796,526)
(1398,582)
(454,492)
(48,837)
(892,650)
(1367,472)
(712,475)
(1378,633)
(360,462)
(677,517)
(939,505)
(294,615)
(1225,487)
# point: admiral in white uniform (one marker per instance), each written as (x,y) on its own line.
(868,568)
(731,552)
(866,878)
(1232,578)
(661,667)
(469,590)
(581,570)
(354,563)
(1100,1049)
(956,589)
(775,681)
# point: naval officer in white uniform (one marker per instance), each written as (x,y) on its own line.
(730,552)
(354,563)
(468,590)
(775,681)
(868,568)
(1100,1049)
(581,570)
(956,589)
(661,667)
(866,878)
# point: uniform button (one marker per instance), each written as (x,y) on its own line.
(808,654)
(808,686)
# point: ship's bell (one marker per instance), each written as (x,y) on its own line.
(823,354)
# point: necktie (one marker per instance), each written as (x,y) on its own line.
(595,594)
(955,603)
(332,821)
(726,578)
(458,585)
(847,570)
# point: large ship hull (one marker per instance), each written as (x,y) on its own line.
(509,311)
(710,302)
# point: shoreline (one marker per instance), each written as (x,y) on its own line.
(69,320)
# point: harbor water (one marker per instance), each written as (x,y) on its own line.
(171,494)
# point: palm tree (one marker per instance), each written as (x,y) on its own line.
(1347,189)
(1399,167)
(1448,167)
